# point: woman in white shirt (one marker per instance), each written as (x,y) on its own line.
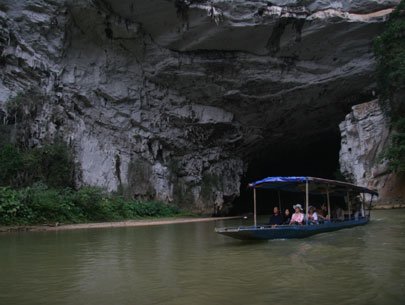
(312,215)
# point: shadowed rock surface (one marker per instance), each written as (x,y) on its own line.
(365,133)
(173,99)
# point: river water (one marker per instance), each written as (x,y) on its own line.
(190,264)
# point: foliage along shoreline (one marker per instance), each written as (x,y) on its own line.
(40,205)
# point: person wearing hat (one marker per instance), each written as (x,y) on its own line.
(298,217)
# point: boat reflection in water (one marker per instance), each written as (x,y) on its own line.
(310,186)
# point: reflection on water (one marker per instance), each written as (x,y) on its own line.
(190,264)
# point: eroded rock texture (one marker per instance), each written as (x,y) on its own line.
(365,133)
(171,99)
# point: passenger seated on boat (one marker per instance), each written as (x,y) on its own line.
(339,214)
(357,211)
(287,217)
(323,213)
(276,218)
(298,217)
(312,216)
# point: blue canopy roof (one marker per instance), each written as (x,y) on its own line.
(316,185)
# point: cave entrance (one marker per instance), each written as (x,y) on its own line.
(318,158)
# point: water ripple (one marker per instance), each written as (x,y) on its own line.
(190,264)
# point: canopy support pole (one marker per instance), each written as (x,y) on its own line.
(254,207)
(279,201)
(349,205)
(328,202)
(369,206)
(306,200)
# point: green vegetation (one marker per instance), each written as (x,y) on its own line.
(50,164)
(389,49)
(41,205)
(24,106)
(395,153)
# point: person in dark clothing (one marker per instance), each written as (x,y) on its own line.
(276,218)
(287,217)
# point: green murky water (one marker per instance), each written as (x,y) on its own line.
(190,264)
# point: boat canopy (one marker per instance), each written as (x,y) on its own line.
(316,186)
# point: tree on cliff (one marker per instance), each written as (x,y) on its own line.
(390,54)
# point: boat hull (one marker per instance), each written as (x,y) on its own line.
(287,231)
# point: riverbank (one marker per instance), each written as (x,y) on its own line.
(115,224)
(39,204)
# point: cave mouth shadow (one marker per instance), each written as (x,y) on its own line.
(318,159)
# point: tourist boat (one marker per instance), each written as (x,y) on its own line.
(356,214)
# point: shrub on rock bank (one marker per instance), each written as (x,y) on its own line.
(51,164)
(39,204)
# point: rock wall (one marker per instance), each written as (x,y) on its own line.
(170,99)
(365,133)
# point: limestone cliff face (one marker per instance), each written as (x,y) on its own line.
(170,99)
(365,133)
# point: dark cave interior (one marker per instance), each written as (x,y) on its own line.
(319,159)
